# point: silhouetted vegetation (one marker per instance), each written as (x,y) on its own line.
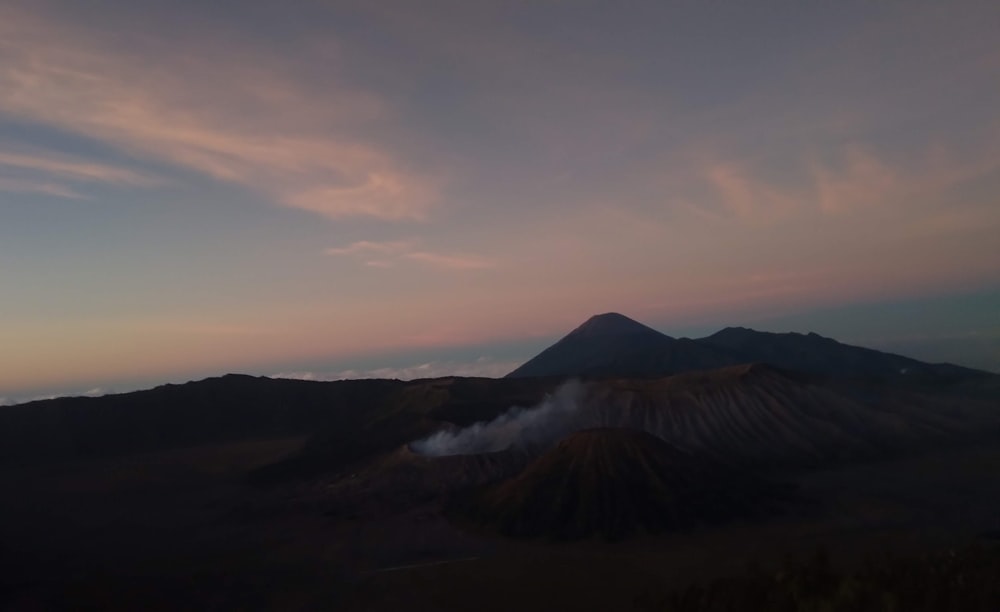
(967,580)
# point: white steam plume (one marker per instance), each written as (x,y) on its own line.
(558,415)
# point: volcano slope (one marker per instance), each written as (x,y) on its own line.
(616,482)
(404,479)
(754,416)
(768,418)
(612,344)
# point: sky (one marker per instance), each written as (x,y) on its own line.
(351,188)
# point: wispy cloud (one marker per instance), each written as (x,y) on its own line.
(234,114)
(15,185)
(74,169)
(863,180)
(389,253)
(452,262)
(741,195)
(368,247)
(853,179)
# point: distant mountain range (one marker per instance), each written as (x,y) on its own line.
(803,376)
(613,345)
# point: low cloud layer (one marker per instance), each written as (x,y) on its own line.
(530,429)
(95,392)
(485,367)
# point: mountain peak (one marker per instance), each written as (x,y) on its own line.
(612,323)
(612,344)
(737,331)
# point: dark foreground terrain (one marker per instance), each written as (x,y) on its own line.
(673,476)
(183,530)
(306,521)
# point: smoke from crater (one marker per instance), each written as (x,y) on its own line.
(558,415)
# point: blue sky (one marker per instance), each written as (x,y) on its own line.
(191,188)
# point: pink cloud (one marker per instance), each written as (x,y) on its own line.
(368,247)
(747,197)
(39,187)
(264,130)
(74,169)
(862,181)
(392,252)
(854,180)
(451,262)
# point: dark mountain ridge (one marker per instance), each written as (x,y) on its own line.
(612,345)
(818,354)
(230,407)
(342,420)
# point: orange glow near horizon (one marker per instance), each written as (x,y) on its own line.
(251,192)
